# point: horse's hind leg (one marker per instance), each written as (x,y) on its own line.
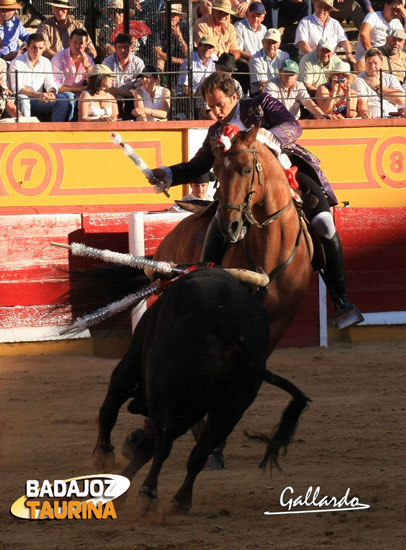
(118,392)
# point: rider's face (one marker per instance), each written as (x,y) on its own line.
(220,104)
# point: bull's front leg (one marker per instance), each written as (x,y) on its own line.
(118,392)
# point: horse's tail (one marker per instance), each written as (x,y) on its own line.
(285,430)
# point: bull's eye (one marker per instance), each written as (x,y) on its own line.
(247,171)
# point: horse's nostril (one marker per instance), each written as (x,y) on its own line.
(234,227)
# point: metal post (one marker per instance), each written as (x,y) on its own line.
(126,5)
(18,110)
(190,59)
(381,91)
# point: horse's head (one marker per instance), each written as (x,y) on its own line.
(239,171)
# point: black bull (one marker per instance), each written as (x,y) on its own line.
(199,350)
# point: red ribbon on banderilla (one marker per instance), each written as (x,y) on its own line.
(137,160)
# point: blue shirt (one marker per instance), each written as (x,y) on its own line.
(10,33)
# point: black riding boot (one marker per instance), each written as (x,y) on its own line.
(213,245)
(345,313)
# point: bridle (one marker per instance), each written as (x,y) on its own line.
(247,214)
(245,207)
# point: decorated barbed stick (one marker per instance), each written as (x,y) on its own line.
(145,169)
(79,249)
(103,313)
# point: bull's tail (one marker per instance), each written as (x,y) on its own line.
(285,430)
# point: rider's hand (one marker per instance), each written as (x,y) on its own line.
(160,175)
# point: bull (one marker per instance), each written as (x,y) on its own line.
(198,351)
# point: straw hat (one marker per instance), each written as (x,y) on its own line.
(329,3)
(342,68)
(224,5)
(116,5)
(9,5)
(176,9)
(62,4)
(207,39)
(100,69)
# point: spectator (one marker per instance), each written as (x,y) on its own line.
(376,26)
(151,100)
(125,65)
(336,99)
(37,89)
(224,64)
(291,93)
(201,9)
(320,25)
(218,25)
(11,30)
(179,48)
(200,188)
(115,13)
(6,104)
(250,31)
(267,61)
(71,66)
(203,64)
(348,10)
(96,103)
(369,86)
(281,13)
(313,65)
(57,29)
(394,58)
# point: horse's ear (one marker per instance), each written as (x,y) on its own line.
(252,132)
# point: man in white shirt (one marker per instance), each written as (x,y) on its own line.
(314,65)
(250,31)
(320,25)
(203,64)
(376,26)
(369,86)
(37,90)
(291,93)
(267,61)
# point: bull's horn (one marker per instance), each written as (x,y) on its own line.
(250,277)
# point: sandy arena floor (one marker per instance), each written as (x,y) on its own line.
(352,435)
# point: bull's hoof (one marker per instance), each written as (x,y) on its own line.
(103,460)
(147,502)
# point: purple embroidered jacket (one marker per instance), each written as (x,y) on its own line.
(274,117)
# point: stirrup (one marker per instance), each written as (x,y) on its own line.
(347,316)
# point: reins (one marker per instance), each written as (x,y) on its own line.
(245,208)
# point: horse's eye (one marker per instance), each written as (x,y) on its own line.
(247,171)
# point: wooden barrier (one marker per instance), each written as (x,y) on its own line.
(32,215)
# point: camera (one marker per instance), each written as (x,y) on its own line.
(341,79)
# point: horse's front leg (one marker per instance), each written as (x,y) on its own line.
(118,392)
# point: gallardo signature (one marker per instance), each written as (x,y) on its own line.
(311,502)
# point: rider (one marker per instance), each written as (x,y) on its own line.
(279,131)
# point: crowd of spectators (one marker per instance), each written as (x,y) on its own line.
(295,50)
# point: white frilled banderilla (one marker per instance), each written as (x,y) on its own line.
(155,288)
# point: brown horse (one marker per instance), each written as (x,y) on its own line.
(260,223)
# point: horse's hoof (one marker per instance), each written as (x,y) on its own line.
(131,443)
(179,509)
(215,462)
(103,460)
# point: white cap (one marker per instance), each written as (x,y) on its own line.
(327,44)
(273,34)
